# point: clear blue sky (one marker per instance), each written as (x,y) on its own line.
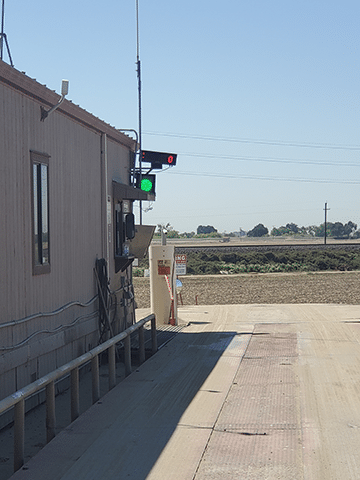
(260,99)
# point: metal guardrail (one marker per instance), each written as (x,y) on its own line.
(17,399)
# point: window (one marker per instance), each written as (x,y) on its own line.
(40,212)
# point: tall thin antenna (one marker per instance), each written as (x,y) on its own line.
(138,64)
(137,32)
(2,29)
(3,36)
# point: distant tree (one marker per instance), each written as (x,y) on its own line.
(338,230)
(335,229)
(350,229)
(319,231)
(288,229)
(311,230)
(173,234)
(258,231)
(205,230)
(187,234)
(292,228)
(275,232)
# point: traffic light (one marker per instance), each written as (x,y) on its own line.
(147,182)
(158,159)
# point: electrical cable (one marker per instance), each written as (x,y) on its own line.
(257,141)
(259,177)
(104,296)
(49,314)
(57,329)
(54,313)
(269,160)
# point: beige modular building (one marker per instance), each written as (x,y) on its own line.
(66,207)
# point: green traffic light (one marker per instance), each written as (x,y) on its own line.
(146,185)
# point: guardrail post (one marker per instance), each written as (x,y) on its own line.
(75,396)
(141,345)
(19,434)
(17,400)
(112,366)
(50,411)
(153,335)
(127,344)
(95,379)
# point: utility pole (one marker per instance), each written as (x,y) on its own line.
(326,210)
(138,69)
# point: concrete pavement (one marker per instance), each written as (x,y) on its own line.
(244,391)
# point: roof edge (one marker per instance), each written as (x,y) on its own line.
(46,97)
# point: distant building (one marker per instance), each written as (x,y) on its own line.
(64,196)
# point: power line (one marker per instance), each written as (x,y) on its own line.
(210,213)
(270,160)
(257,141)
(260,177)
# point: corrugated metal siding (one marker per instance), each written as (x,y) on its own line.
(76,222)
(75,209)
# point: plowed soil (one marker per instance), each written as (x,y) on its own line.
(275,288)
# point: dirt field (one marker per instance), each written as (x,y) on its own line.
(333,287)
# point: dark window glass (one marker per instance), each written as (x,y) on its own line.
(40,207)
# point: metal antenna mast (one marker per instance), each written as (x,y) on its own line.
(138,66)
(3,36)
(2,29)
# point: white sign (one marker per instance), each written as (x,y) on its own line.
(180,264)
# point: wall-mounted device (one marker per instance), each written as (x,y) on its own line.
(64,92)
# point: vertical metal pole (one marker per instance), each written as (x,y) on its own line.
(75,396)
(50,412)
(108,201)
(138,64)
(163,236)
(127,345)
(112,367)
(2,29)
(141,345)
(153,335)
(19,434)
(326,209)
(95,379)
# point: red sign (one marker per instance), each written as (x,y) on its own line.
(164,267)
(180,264)
(180,258)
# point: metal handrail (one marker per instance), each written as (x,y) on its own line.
(17,399)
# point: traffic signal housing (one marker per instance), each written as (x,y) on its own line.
(158,159)
(146,183)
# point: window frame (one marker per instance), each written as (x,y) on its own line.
(41,264)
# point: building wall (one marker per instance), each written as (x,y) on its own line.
(46,320)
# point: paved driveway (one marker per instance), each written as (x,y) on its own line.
(244,391)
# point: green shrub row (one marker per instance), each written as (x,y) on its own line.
(266,262)
(272,261)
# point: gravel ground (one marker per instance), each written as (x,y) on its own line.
(319,287)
